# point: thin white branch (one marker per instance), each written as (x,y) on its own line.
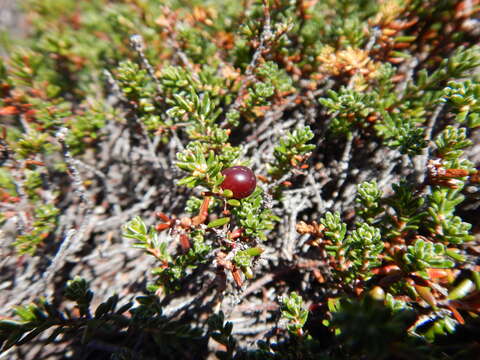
(138,44)
(293,206)
(421,161)
(56,263)
(342,168)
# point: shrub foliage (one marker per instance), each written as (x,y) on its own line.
(360,120)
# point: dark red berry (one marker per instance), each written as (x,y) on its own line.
(240,180)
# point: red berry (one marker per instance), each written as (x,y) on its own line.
(240,180)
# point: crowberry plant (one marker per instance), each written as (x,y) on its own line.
(267,179)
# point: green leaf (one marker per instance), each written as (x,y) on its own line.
(218,222)
(461,290)
(254,251)
(233,202)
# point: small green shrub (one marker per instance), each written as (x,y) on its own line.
(360,121)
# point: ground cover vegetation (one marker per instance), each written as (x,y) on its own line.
(276,179)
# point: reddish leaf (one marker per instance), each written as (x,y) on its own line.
(161,227)
(9,110)
(184,242)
